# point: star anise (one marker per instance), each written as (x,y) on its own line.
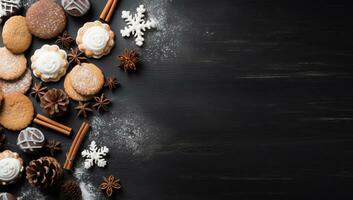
(38,90)
(110,184)
(111,83)
(102,103)
(53,146)
(65,40)
(128,60)
(76,56)
(83,109)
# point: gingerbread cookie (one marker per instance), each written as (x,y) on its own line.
(71,91)
(87,79)
(9,8)
(11,66)
(46,19)
(95,39)
(16,111)
(30,140)
(20,85)
(76,8)
(11,167)
(49,63)
(15,35)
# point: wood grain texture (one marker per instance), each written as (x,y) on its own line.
(253,100)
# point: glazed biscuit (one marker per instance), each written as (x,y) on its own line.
(15,35)
(49,63)
(16,112)
(95,39)
(72,93)
(46,19)
(20,85)
(87,79)
(11,66)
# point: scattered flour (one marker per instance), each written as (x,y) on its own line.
(164,42)
(30,193)
(89,191)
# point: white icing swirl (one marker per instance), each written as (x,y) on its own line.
(95,38)
(10,168)
(48,63)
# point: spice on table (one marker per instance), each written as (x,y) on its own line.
(76,56)
(51,124)
(110,184)
(83,109)
(102,103)
(53,146)
(128,60)
(65,40)
(111,83)
(38,90)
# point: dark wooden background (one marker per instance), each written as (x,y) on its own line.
(234,99)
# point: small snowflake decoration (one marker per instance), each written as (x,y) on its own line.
(94,155)
(136,24)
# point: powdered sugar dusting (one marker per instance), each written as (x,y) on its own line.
(28,193)
(89,191)
(164,42)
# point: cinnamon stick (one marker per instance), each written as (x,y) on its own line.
(48,125)
(106,9)
(76,145)
(46,119)
(111,11)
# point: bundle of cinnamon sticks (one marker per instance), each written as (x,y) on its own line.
(108,10)
(51,124)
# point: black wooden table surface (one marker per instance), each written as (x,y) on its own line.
(234,99)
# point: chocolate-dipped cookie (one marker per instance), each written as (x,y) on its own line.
(76,8)
(11,167)
(30,139)
(9,8)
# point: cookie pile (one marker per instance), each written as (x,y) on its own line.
(83,82)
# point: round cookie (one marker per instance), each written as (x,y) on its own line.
(87,79)
(46,19)
(1,97)
(95,39)
(20,85)
(15,35)
(71,92)
(76,8)
(16,111)
(9,8)
(49,63)
(11,66)
(31,139)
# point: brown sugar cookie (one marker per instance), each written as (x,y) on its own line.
(72,93)
(16,112)
(15,35)
(46,19)
(87,79)
(11,66)
(20,85)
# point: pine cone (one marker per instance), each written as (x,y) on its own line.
(70,190)
(54,102)
(44,172)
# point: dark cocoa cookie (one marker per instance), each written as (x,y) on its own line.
(46,19)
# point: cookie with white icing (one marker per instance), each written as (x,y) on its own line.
(30,139)
(11,167)
(9,8)
(95,39)
(76,8)
(49,63)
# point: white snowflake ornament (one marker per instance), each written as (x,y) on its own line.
(136,24)
(94,155)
